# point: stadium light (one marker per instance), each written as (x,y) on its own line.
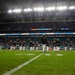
(72,7)
(27,10)
(60,8)
(17,10)
(10,11)
(50,8)
(38,9)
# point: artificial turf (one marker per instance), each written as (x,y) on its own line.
(47,64)
(11,59)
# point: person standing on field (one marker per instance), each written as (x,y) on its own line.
(57,45)
(71,45)
(23,44)
(65,46)
(20,45)
(44,43)
(36,45)
(54,45)
(14,45)
(31,45)
(11,45)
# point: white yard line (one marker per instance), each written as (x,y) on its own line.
(59,54)
(20,66)
(30,54)
(47,54)
(18,54)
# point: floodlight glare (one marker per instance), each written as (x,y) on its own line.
(27,10)
(10,11)
(50,8)
(72,7)
(39,9)
(62,8)
(17,10)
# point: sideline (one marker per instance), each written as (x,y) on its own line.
(20,66)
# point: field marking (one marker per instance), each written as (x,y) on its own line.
(23,54)
(20,66)
(18,54)
(47,54)
(30,54)
(59,54)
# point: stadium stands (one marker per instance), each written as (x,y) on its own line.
(56,26)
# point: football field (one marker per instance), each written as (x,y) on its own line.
(37,63)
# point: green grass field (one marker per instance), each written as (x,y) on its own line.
(50,63)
